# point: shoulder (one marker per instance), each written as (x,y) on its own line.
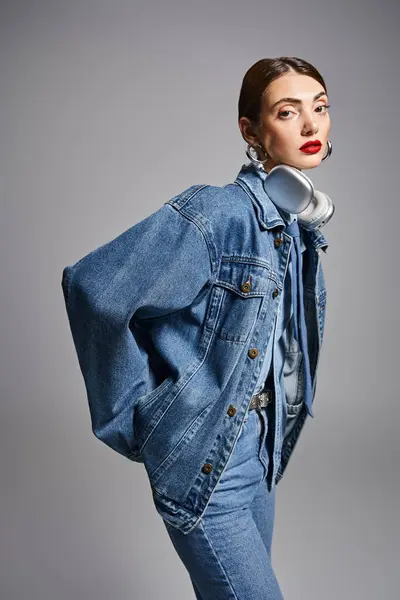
(213,204)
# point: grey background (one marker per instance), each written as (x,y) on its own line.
(107,110)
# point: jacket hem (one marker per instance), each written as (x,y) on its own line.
(174,514)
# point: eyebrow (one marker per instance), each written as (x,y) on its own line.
(296,100)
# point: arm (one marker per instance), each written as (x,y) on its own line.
(157,266)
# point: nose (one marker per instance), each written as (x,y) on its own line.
(310,124)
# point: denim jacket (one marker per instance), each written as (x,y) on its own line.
(171,321)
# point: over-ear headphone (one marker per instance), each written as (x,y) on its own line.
(294,192)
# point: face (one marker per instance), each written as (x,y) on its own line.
(288,124)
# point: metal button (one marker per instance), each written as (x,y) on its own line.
(246,286)
(207,468)
(231,410)
(278,242)
(253,352)
(275,293)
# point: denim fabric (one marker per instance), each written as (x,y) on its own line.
(171,321)
(284,349)
(228,554)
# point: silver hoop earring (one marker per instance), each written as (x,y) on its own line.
(329,152)
(259,164)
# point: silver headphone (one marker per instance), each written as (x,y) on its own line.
(292,191)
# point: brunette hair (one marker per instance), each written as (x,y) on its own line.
(264,72)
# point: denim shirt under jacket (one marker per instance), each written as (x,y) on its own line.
(171,322)
(284,359)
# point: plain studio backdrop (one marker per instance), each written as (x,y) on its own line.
(108,109)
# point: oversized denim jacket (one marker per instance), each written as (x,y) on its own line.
(170,322)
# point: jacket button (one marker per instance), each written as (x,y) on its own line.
(253,352)
(278,242)
(275,293)
(246,287)
(231,410)
(207,468)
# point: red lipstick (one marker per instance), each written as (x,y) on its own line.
(311,147)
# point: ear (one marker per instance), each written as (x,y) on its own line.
(247,131)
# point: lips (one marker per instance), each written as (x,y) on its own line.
(314,144)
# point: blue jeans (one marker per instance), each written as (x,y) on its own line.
(228,553)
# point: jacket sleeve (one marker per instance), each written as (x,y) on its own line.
(156,267)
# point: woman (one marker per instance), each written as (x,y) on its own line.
(196,357)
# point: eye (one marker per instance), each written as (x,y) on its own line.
(281,113)
(326,106)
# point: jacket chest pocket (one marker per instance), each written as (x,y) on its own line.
(242,283)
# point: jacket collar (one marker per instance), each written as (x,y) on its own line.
(251,180)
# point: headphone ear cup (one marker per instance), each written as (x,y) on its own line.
(318,212)
(288,188)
